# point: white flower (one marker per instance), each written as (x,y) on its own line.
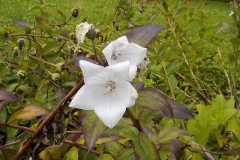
(81,30)
(121,50)
(232,13)
(107,91)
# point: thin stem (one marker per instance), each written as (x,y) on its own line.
(10,144)
(180,47)
(80,146)
(225,71)
(41,60)
(44,122)
(134,120)
(16,127)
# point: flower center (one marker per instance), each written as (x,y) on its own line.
(115,56)
(110,85)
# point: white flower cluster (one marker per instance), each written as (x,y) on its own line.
(107,90)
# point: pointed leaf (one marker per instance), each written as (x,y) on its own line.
(153,99)
(179,111)
(9,154)
(114,148)
(106,139)
(72,153)
(193,127)
(145,148)
(50,154)
(43,24)
(175,147)
(8,96)
(92,128)
(170,133)
(203,135)
(148,32)
(127,154)
(105,157)
(223,116)
(28,112)
(21,23)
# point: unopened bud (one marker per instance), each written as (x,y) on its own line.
(75,12)
(59,39)
(116,26)
(91,34)
(113,21)
(60,66)
(98,32)
(74,38)
(10,66)
(130,25)
(21,74)
(55,76)
(20,43)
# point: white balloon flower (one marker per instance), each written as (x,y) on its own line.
(121,50)
(107,91)
(81,30)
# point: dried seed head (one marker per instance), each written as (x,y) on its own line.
(74,38)
(21,74)
(78,51)
(60,66)
(15,51)
(113,21)
(75,12)
(55,76)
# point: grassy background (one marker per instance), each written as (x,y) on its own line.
(98,12)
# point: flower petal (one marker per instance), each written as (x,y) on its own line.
(108,51)
(81,31)
(87,97)
(92,73)
(132,72)
(120,69)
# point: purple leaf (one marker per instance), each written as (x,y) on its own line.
(153,99)
(143,35)
(78,58)
(21,23)
(8,96)
(92,128)
(180,111)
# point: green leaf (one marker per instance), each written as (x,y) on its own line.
(28,112)
(49,48)
(21,23)
(204,117)
(105,157)
(72,153)
(11,87)
(173,81)
(148,32)
(50,154)
(127,154)
(9,154)
(170,133)
(193,127)
(111,138)
(92,128)
(114,148)
(44,25)
(145,148)
(203,135)
(217,105)
(153,99)
(234,125)
(173,66)
(223,116)
(229,104)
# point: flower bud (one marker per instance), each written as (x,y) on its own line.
(59,39)
(113,21)
(75,12)
(71,50)
(20,43)
(60,66)
(91,34)
(21,74)
(130,25)
(55,76)
(116,26)
(98,33)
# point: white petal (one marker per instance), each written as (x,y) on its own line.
(109,110)
(120,69)
(108,51)
(132,72)
(87,97)
(134,95)
(132,53)
(123,39)
(92,73)
(81,31)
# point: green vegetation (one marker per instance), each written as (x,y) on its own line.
(187,109)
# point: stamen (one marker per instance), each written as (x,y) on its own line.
(115,56)
(110,85)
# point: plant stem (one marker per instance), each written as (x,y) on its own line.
(134,120)
(10,144)
(44,122)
